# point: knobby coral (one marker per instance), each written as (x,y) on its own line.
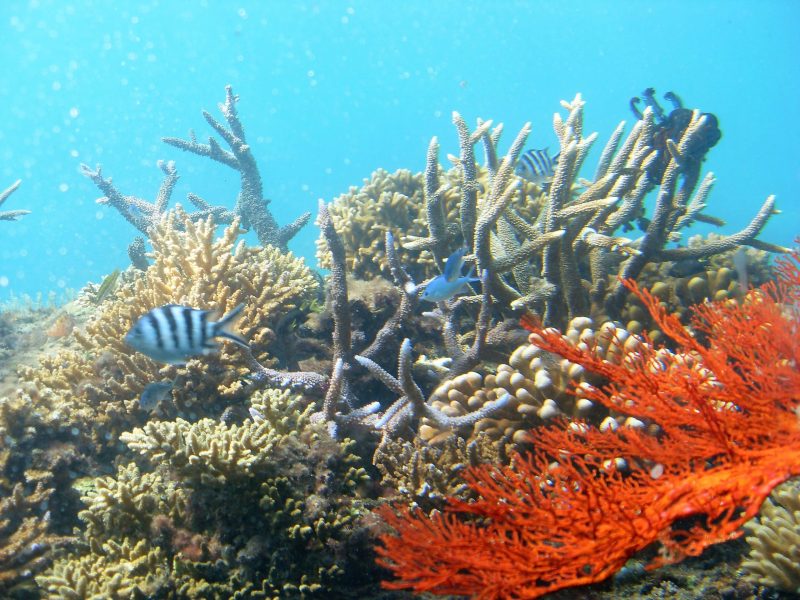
(587,499)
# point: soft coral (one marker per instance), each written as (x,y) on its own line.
(723,409)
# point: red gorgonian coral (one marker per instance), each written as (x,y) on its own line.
(723,432)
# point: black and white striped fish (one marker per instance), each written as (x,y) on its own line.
(172,333)
(537,166)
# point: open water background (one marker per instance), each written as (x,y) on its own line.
(330,91)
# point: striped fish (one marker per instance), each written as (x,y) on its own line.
(172,333)
(537,166)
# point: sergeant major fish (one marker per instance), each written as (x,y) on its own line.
(172,333)
(450,282)
(537,166)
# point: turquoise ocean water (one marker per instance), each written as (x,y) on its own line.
(331,91)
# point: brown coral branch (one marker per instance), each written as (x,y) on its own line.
(251,204)
(11,215)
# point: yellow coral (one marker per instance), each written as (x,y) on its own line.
(24,537)
(774,539)
(94,391)
(539,385)
(125,569)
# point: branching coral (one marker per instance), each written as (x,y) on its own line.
(577,508)
(425,475)
(401,203)
(24,536)
(251,206)
(125,569)
(11,215)
(558,254)
(269,509)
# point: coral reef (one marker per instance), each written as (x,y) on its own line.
(266,509)
(541,387)
(587,499)
(95,390)
(251,206)
(774,538)
(250,478)
(24,536)
(11,215)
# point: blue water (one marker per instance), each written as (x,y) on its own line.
(331,91)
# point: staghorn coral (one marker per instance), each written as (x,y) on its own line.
(774,538)
(251,206)
(558,254)
(269,508)
(11,215)
(396,203)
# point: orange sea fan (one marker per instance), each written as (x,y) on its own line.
(724,409)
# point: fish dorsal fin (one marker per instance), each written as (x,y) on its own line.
(452,268)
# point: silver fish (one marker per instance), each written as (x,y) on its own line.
(172,333)
(153,394)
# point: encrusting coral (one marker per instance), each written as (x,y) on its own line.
(774,539)
(267,509)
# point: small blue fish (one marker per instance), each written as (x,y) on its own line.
(153,394)
(537,166)
(450,282)
(172,333)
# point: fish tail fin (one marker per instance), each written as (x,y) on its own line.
(223,327)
